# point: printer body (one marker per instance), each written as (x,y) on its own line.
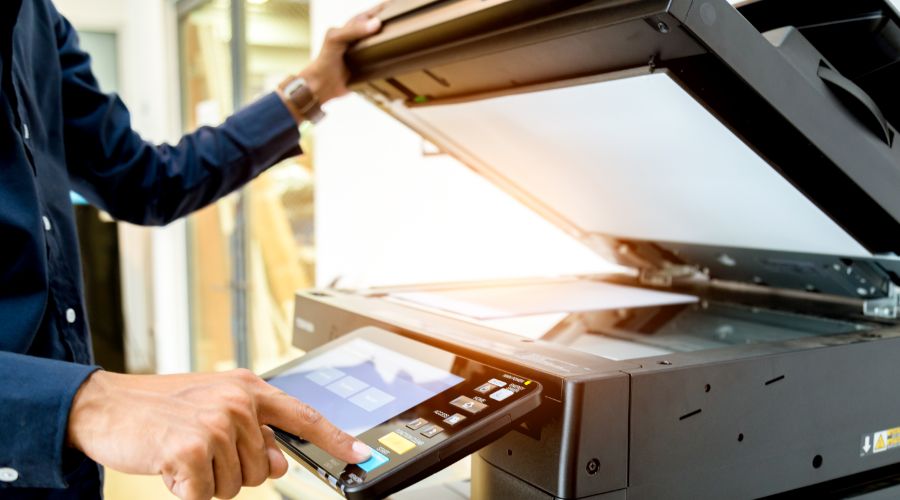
(739,163)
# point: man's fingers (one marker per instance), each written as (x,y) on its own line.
(357,28)
(360,26)
(298,418)
(252,449)
(189,473)
(278,465)
(196,486)
(374,11)
(169,481)
(369,14)
(227,470)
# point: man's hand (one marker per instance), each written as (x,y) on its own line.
(206,434)
(327,75)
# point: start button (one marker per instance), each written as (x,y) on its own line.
(396,443)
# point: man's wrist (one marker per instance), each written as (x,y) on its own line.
(313,82)
(88,401)
(298,116)
(299,93)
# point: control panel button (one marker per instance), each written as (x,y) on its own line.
(454,419)
(374,462)
(415,424)
(502,394)
(486,388)
(431,431)
(396,443)
(468,404)
(498,383)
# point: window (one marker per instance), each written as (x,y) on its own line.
(250,251)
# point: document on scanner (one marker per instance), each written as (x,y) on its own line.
(495,302)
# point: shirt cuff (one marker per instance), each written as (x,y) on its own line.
(274,130)
(34,405)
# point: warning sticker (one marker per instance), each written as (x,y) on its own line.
(880,441)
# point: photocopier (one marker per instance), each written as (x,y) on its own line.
(740,163)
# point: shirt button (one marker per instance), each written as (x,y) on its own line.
(70,315)
(8,475)
(47,225)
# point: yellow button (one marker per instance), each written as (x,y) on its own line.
(397,443)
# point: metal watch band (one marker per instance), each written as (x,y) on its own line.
(303,99)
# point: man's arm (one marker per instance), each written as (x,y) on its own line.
(206,434)
(133,180)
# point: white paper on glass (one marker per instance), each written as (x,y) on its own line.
(615,349)
(495,302)
(532,327)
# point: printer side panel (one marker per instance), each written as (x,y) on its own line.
(763,425)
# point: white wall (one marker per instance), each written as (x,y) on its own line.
(386,214)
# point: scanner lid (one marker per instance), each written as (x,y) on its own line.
(756,143)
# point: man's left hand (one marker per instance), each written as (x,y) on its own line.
(327,75)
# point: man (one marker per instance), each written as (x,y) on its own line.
(205,434)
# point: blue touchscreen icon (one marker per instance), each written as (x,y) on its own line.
(374,462)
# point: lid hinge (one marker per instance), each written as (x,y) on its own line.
(885,307)
(669,274)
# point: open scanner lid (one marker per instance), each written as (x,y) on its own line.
(755,144)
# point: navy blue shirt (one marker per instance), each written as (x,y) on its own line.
(58,133)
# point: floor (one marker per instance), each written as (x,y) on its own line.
(297,484)
(124,486)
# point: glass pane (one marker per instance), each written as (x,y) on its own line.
(206,88)
(280,248)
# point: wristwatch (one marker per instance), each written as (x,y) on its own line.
(304,101)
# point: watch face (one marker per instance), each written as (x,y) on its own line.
(304,100)
(294,85)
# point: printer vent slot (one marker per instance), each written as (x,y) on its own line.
(776,379)
(402,88)
(442,81)
(691,414)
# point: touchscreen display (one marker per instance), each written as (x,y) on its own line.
(359,384)
(414,405)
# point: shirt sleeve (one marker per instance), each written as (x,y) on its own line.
(34,408)
(113,168)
